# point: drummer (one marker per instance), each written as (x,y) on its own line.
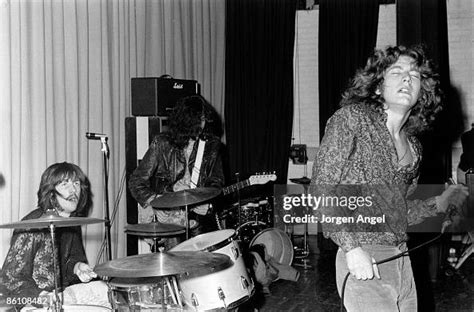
(169,164)
(28,272)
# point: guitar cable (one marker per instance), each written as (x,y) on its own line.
(448,219)
(383,261)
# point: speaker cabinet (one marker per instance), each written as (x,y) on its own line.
(153,96)
(139,133)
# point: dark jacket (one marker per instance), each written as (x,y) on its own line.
(163,165)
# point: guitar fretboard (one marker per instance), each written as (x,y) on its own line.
(234,187)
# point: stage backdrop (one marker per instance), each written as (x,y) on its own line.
(65,69)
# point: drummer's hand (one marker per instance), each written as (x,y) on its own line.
(84,272)
(201,209)
(46,298)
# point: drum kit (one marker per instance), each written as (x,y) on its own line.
(206,272)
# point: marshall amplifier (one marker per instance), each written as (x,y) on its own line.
(139,133)
(153,96)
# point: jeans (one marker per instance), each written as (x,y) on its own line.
(394,291)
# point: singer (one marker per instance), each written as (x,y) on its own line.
(168,164)
(28,272)
(370,145)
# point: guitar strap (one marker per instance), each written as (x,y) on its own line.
(197,164)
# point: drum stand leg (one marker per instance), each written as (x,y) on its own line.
(57,304)
(303,260)
(187,221)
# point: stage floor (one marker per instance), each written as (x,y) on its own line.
(316,288)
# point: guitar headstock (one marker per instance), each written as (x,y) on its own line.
(262,178)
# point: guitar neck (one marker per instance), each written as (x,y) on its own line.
(234,187)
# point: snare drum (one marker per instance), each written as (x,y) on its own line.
(141,294)
(225,289)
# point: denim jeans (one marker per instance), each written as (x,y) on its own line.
(394,291)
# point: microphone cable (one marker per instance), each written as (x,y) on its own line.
(343,288)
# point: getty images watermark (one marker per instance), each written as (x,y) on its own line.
(313,202)
(329,205)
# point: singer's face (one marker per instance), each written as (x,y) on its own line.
(68,194)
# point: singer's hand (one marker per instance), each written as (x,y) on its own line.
(361,265)
(84,272)
(452,195)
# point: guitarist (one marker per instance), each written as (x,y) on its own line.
(172,162)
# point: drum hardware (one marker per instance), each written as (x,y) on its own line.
(51,220)
(185,198)
(239,213)
(303,253)
(226,289)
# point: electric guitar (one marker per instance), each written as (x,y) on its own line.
(252,180)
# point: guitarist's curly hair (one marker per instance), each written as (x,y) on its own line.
(185,121)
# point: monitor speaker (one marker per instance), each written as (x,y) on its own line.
(152,96)
(139,133)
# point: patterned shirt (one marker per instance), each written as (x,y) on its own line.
(28,268)
(357,151)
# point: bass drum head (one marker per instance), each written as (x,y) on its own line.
(277,244)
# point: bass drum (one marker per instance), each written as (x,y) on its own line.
(277,243)
(226,289)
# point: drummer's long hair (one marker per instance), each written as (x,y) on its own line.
(185,121)
(54,175)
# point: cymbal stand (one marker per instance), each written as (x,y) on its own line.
(57,305)
(239,211)
(304,253)
(187,221)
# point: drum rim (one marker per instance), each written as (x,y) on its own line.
(214,247)
(140,281)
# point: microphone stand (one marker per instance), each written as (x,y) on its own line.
(105,156)
(239,223)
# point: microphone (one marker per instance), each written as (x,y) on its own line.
(95,136)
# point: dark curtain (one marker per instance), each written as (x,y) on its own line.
(259,85)
(425,22)
(347,36)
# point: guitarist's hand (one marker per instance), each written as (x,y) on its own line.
(201,209)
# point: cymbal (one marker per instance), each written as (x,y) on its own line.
(302,180)
(165,263)
(154,229)
(45,221)
(185,197)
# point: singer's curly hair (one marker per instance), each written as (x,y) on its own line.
(54,175)
(367,80)
(185,121)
